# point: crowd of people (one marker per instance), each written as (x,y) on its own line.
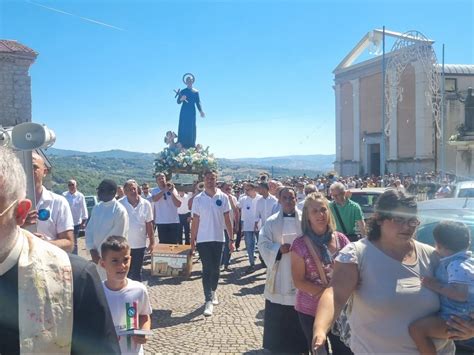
(334,281)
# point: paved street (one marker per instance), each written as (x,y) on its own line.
(177,321)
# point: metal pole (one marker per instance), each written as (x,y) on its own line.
(443,126)
(382,142)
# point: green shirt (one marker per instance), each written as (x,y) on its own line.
(350,212)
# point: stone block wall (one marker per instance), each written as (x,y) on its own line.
(15,89)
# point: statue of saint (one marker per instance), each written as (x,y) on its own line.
(188,98)
(469,111)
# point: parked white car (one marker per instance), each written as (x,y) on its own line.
(464,189)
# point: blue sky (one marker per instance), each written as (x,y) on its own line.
(263,67)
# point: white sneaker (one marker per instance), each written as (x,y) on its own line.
(215,301)
(208,309)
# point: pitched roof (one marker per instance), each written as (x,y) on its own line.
(14,47)
(459,69)
(375,37)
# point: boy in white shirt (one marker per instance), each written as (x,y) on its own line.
(128,300)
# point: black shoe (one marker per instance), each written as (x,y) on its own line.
(227,268)
(250,269)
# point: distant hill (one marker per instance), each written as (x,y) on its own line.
(115,153)
(317,162)
(90,168)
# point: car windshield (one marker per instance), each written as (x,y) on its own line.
(90,202)
(430,218)
(365,200)
(466,192)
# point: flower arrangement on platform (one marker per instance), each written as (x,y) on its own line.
(176,159)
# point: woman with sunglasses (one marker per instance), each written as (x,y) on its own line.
(312,261)
(383,275)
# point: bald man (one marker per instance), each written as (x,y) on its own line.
(52,214)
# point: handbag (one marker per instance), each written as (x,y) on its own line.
(341,327)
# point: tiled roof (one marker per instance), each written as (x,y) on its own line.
(8,46)
(460,69)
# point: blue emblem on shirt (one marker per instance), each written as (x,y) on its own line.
(131,311)
(219,203)
(44,214)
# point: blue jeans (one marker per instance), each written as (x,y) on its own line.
(249,238)
(226,253)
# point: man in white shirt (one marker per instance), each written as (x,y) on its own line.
(264,206)
(211,215)
(146,194)
(165,204)
(248,204)
(310,188)
(52,214)
(140,222)
(234,218)
(78,206)
(108,218)
(184,214)
(300,196)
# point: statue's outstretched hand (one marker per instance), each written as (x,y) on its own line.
(202,114)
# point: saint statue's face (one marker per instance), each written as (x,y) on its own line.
(189,82)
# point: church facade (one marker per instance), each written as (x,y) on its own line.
(413,141)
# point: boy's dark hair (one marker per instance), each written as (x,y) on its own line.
(114,243)
(210,171)
(452,235)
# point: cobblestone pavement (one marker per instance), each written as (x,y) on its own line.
(236,327)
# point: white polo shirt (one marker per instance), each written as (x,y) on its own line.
(165,210)
(60,219)
(248,212)
(211,216)
(78,206)
(264,208)
(138,216)
(183,209)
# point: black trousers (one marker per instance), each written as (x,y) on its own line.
(184,228)
(210,254)
(238,234)
(136,264)
(337,346)
(169,233)
(282,332)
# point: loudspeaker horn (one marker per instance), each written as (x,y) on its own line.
(29,136)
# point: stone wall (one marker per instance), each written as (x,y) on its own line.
(15,89)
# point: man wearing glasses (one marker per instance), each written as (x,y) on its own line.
(146,194)
(347,213)
(78,206)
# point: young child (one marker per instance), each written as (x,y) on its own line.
(127,299)
(454,283)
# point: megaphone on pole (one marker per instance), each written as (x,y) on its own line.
(27,136)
